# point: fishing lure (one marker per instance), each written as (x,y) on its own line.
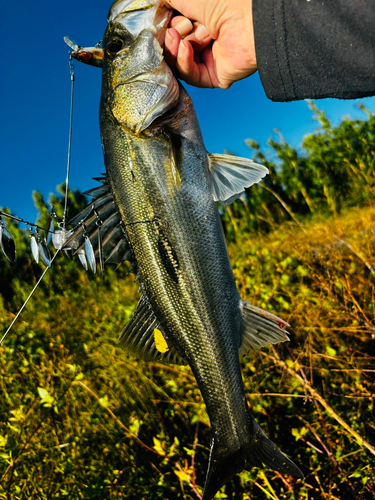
(89,238)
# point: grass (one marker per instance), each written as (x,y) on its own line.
(82,420)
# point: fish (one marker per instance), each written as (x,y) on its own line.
(157,208)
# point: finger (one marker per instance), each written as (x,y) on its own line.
(210,63)
(191,70)
(190,9)
(182,25)
(171,44)
(199,37)
(186,66)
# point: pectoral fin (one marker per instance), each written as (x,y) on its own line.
(260,328)
(138,337)
(232,174)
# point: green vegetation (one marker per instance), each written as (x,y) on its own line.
(80,419)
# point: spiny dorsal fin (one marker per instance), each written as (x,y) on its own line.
(232,174)
(95,193)
(102,225)
(260,328)
(138,339)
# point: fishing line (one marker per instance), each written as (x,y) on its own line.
(18,219)
(72,78)
(28,298)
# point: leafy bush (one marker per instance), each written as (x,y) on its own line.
(80,419)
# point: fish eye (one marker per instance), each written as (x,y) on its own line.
(115,46)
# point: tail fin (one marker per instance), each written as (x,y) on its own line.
(261,450)
(221,468)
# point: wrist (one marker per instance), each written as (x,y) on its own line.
(247,9)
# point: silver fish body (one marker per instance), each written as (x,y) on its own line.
(163,183)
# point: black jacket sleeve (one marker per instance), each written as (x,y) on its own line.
(315,48)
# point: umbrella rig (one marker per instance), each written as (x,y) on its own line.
(98,235)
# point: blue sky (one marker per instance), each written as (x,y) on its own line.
(35,94)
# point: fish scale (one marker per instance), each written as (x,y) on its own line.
(190,321)
(192,314)
(165,186)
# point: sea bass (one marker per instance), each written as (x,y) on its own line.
(157,209)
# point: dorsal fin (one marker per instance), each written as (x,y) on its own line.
(121,253)
(232,174)
(137,337)
(114,245)
(97,192)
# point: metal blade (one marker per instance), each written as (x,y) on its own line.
(90,254)
(44,253)
(82,258)
(7,244)
(35,249)
(71,43)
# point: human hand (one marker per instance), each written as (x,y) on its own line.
(215,49)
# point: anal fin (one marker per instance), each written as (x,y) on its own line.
(138,339)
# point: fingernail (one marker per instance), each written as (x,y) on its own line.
(201,32)
(184,26)
(169,35)
(182,49)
